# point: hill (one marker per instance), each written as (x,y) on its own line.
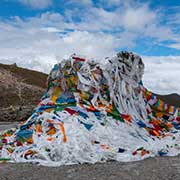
(20,91)
(172,99)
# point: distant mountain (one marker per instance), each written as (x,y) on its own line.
(21,89)
(172,99)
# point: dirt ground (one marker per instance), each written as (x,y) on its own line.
(159,168)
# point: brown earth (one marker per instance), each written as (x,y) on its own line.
(20,92)
(172,99)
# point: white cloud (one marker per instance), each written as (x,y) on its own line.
(161,33)
(47,35)
(36,4)
(176,45)
(80,3)
(138,18)
(52,29)
(162,74)
(31,44)
(83,42)
(94,19)
(127,17)
(115,2)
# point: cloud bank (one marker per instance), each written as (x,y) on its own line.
(36,4)
(162,74)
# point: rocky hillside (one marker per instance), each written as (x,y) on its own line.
(21,89)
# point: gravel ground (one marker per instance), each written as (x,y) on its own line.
(159,168)
(166,168)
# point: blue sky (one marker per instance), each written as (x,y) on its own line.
(38,33)
(160,17)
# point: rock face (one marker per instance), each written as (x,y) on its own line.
(20,91)
(94,112)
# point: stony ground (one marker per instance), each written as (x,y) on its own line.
(159,168)
(20,92)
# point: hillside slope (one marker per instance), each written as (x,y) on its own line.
(172,99)
(20,91)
